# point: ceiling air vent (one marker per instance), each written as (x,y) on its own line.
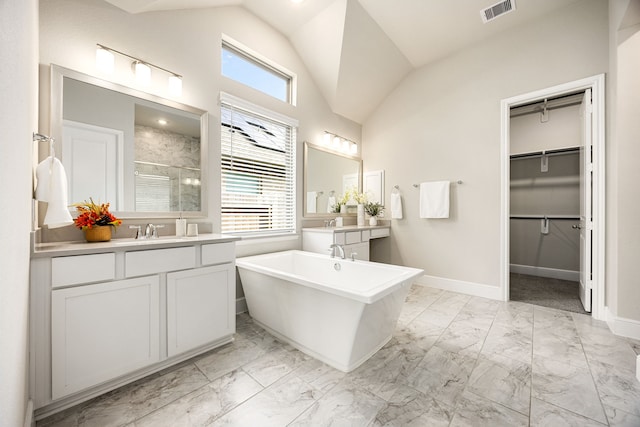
(497,9)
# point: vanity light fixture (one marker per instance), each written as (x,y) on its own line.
(339,143)
(105,61)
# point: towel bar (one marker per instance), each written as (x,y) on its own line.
(457,182)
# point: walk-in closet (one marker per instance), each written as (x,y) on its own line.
(547,181)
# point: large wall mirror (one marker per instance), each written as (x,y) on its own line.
(327,176)
(145,155)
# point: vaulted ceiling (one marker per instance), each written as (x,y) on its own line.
(359,50)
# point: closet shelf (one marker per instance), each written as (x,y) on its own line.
(569,217)
(555,152)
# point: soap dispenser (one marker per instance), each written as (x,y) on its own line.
(181,226)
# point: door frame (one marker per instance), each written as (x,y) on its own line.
(597,85)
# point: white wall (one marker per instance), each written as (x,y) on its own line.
(626,210)
(188,42)
(443,123)
(18,119)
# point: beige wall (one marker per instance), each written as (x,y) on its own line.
(443,122)
(18,119)
(623,238)
(188,42)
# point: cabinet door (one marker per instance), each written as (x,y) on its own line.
(200,307)
(360,249)
(103,331)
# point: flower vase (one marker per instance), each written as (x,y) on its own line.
(343,209)
(373,221)
(360,212)
(98,233)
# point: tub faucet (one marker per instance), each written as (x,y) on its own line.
(333,248)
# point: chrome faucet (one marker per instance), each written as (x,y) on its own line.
(333,248)
(150,231)
(332,223)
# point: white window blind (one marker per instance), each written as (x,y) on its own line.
(258,173)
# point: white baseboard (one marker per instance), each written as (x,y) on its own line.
(28,416)
(469,288)
(241,305)
(553,273)
(624,327)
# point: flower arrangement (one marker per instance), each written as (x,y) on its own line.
(373,209)
(351,195)
(91,214)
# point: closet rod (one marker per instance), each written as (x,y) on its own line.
(570,217)
(556,152)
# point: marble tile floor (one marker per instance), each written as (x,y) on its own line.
(454,360)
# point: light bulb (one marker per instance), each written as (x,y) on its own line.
(175,85)
(336,142)
(104,60)
(327,138)
(143,73)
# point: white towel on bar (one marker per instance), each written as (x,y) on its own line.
(312,197)
(396,206)
(331,202)
(52,188)
(434,199)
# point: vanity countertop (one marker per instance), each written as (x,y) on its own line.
(346,228)
(43,250)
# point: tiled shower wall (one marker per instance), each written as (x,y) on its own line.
(175,169)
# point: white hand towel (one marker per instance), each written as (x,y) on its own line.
(331,202)
(396,206)
(52,188)
(434,199)
(312,197)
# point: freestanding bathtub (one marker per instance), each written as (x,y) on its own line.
(338,311)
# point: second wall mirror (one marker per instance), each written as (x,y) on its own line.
(327,176)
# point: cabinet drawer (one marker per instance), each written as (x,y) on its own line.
(379,232)
(141,263)
(71,270)
(366,234)
(352,237)
(339,238)
(218,253)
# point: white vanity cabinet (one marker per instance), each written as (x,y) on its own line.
(102,331)
(200,307)
(354,240)
(104,315)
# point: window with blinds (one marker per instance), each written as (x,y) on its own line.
(258,173)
